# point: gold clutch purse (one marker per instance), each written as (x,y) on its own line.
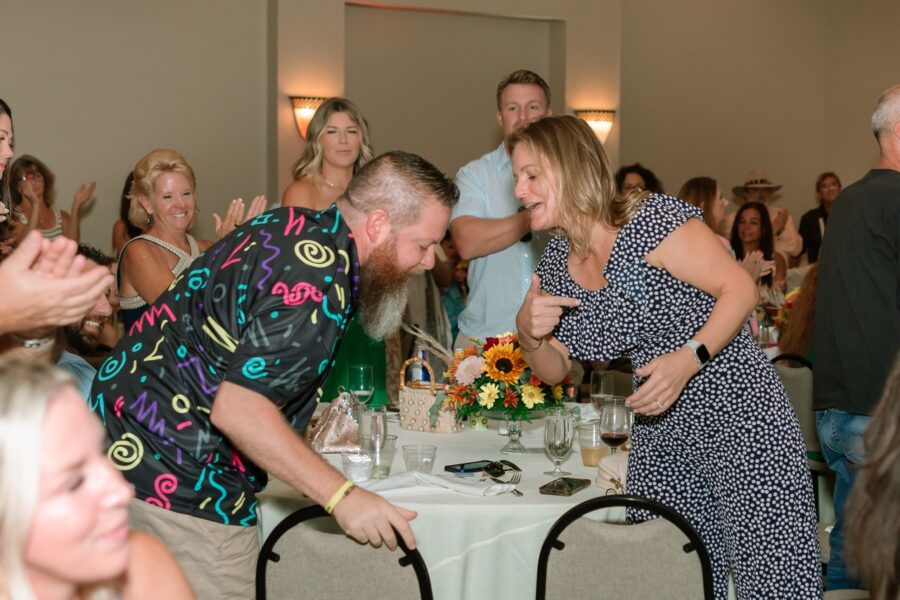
(338,427)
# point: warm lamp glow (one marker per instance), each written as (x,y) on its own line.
(304,109)
(601,121)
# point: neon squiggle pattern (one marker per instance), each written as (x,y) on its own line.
(164,485)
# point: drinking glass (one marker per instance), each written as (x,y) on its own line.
(559,433)
(362,383)
(373,422)
(357,466)
(615,423)
(590,442)
(419,457)
(602,387)
(382,452)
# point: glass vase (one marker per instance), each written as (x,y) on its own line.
(514,445)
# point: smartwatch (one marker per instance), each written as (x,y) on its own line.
(699,350)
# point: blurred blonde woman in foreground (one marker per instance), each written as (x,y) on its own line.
(63,505)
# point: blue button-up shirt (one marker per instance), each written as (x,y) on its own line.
(497,282)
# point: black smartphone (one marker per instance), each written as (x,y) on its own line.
(469,467)
(564,486)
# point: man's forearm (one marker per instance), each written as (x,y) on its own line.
(258,429)
(475,237)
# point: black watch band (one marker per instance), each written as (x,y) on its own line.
(700,352)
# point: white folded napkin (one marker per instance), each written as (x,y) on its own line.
(414,481)
(611,472)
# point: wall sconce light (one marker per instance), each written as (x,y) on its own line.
(304,109)
(601,121)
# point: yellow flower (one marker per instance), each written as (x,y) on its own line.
(557,392)
(504,363)
(488,395)
(531,395)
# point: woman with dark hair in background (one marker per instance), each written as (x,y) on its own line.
(337,145)
(812,223)
(7,151)
(637,177)
(33,195)
(123,229)
(753,242)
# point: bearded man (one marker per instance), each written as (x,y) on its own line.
(208,392)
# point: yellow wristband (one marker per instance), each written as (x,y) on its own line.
(339,495)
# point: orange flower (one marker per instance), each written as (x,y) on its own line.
(461,355)
(510,398)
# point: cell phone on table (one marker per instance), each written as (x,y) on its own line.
(468,467)
(564,486)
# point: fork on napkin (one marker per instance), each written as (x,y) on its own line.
(414,481)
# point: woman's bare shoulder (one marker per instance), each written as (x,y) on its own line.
(302,193)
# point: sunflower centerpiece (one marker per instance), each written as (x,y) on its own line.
(493,378)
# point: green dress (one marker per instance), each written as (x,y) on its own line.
(357,348)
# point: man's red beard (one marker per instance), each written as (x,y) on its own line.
(382,291)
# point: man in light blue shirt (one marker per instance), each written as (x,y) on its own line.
(488,226)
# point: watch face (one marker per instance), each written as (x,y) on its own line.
(702,354)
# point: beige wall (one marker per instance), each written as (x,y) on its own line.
(312,57)
(701,86)
(863,59)
(95,84)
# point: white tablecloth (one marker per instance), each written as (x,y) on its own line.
(475,548)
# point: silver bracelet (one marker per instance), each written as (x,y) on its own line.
(32,343)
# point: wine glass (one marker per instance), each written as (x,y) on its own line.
(559,433)
(615,423)
(601,388)
(362,383)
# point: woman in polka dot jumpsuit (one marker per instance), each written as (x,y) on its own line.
(641,275)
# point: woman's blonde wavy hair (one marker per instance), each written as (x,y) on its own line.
(586,190)
(146,171)
(310,162)
(25,390)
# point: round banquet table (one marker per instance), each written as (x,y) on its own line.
(474,547)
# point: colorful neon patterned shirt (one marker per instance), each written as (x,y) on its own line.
(265,308)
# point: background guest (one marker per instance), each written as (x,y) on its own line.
(6,154)
(753,243)
(163,207)
(490,228)
(758,188)
(637,177)
(705,194)
(812,223)
(33,196)
(873,521)
(857,324)
(123,229)
(337,145)
(797,334)
(63,505)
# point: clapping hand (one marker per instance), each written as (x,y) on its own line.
(780,220)
(235,215)
(47,284)
(540,312)
(82,196)
(756,265)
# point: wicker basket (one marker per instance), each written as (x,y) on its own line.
(416,399)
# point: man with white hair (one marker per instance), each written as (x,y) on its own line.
(857,322)
(207,394)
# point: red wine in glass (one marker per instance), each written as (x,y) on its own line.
(614,439)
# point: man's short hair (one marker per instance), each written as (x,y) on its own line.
(887,111)
(523,77)
(94,255)
(399,182)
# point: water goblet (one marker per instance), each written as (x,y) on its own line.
(362,383)
(559,433)
(615,423)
